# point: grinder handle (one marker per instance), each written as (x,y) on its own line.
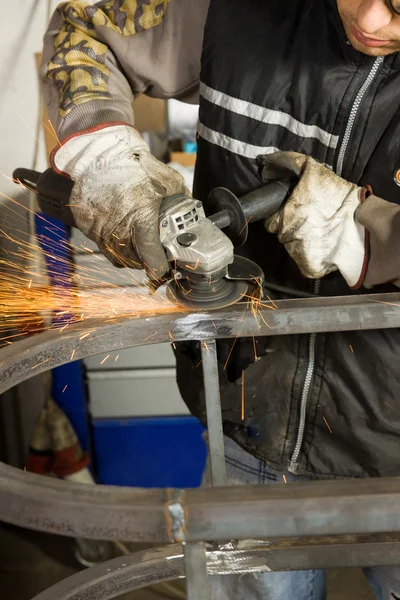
(265,201)
(53,192)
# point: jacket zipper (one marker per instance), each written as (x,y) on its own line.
(311,345)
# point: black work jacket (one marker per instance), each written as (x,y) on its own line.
(282,75)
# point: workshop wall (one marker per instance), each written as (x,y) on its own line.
(22,26)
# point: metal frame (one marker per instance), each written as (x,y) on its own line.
(302,510)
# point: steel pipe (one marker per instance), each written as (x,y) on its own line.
(214,415)
(129,573)
(131,514)
(197,586)
(53,348)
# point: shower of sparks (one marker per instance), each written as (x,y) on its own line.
(327,424)
(41,290)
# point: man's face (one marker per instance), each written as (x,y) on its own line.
(371,26)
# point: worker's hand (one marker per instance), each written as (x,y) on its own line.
(116,198)
(317,224)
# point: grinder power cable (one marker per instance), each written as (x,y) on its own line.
(205,273)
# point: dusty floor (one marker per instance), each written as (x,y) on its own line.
(31,562)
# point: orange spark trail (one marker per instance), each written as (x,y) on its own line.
(327,424)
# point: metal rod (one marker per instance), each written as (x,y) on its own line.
(197,587)
(39,353)
(214,414)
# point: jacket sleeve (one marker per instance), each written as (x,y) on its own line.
(382,220)
(98,55)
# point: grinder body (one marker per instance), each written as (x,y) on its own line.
(200,248)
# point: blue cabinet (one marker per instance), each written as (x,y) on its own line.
(149,452)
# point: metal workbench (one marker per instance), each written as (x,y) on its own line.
(301,526)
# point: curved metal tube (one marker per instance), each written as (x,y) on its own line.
(132,514)
(119,576)
(53,348)
(129,573)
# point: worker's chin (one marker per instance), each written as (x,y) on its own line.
(372,51)
(384,50)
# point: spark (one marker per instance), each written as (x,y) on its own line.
(327,424)
(264,321)
(230,353)
(116,358)
(54,131)
(65,387)
(30,284)
(104,359)
(205,345)
(214,325)
(392,407)
(245,225)
(41,363)
(73,354)
(198,364)
(150,336)
(382,302)
(255,349)
(84,335)
(351,348)
(172,340)
(284,478)
(36,138)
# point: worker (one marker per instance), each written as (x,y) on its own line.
(308,88)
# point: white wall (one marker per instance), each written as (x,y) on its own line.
(22,26)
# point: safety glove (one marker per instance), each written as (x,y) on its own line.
(317,225)
(117,193)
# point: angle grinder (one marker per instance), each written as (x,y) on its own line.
(205,273)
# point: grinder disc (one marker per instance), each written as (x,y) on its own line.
(206,296)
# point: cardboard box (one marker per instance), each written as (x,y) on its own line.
(183,158)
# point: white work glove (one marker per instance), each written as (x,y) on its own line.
(118,190)
(317,224)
